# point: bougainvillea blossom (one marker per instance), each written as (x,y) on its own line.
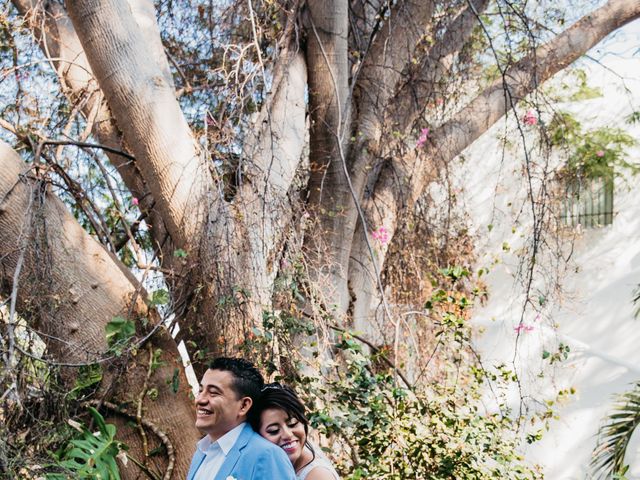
(523,328)
(424,134)
(381,235)
(530,118)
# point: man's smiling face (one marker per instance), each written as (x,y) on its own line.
(219,408)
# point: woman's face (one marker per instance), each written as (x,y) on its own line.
(286,432)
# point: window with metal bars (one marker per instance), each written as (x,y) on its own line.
(588,202)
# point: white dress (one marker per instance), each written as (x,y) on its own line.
(320,461)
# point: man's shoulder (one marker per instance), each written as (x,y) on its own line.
(260,443)
(262,460)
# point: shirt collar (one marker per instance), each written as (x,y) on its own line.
(225,442)
(229,439)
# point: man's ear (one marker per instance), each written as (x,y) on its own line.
(245,406)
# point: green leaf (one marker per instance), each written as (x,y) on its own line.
(88,376)
(119,329)
(119,332)
(92,455)
(175,381)
(180,253)
(614,436)
(159,297)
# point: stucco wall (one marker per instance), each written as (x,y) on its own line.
(593,313)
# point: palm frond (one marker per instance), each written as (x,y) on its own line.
(615,434)
(636,301)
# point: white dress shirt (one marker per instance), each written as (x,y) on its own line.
(215,453)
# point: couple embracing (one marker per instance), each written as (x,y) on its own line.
(234,404)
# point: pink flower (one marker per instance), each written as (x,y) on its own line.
(530,118)
(600,153)
(523,328)
(424,134)
(135,201)
(381,235)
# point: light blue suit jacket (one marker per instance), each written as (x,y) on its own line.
(251,458)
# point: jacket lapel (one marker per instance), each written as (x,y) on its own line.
(198,457)
(234,454)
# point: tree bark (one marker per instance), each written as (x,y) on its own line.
(328,66)
(69,288)
(276,150)
(422,82)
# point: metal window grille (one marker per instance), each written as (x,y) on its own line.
(588,202)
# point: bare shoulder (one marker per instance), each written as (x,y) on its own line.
(320,473)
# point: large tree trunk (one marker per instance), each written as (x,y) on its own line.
(241,251)
(327,63)
(400,92)
(68,288)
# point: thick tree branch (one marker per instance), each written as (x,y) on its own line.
(57,38)
(527,75)
(275,151)
(411,98)
(145,107)
(490,105)
(93,285)
(273,147)
(391,53)
(382,210)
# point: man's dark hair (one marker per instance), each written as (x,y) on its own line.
(247,380)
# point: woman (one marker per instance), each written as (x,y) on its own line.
(279,417)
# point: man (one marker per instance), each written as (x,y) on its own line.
(231,449)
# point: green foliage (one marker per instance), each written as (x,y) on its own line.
(583,91)
(159,297)
(594,153)
(89,377)
(433,430)
(156,360)
(455,273)
(438,432)
(633,118)
(175,380)
(278,329)
(614,436)
(180,253)
(90,455)
(561,354)
(119,332)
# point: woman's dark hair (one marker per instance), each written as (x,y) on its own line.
(274,395)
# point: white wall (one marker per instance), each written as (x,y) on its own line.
(594,312)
